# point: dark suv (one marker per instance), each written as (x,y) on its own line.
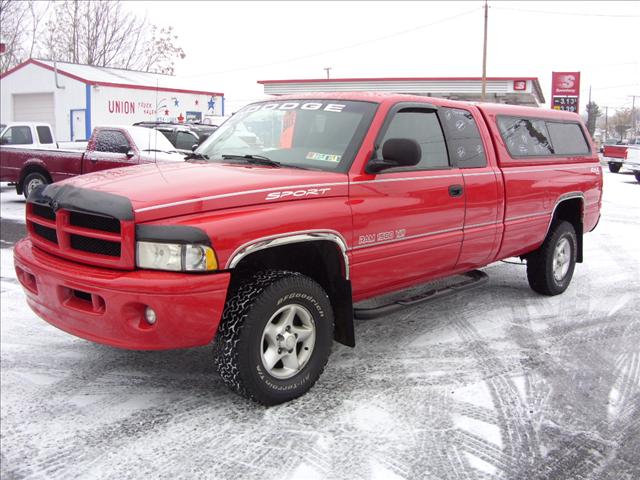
(183,136)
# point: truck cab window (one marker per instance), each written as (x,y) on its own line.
(44,134)
(17,136)
(525,137)
(111,141)
(424,128)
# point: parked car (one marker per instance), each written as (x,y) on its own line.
(109,147)
(183,136)
(33,135)
(269,248)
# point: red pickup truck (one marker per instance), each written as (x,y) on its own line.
(268,247)
(615,155)
(108,147)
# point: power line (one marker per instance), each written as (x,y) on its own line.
(572,14)
(338,49)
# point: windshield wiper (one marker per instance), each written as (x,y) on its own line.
(156,150)
(196,156)
(254,159)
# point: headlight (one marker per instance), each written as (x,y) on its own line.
(175,257)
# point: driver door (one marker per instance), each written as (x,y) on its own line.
(407,221)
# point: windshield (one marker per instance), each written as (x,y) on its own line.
(149,139)
(315,134)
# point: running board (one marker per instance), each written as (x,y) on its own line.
(393,302)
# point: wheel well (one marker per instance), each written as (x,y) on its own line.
(31,169)
(320,260)
(572,211)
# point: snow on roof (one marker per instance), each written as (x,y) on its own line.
(120,77)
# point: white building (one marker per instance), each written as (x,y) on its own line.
(75,98)
(512,90)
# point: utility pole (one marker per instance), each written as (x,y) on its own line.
(606,122)
(484,52)
(327,69)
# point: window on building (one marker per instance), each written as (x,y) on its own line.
(463,138)
(567,138)
(17,136)
(44,134)
(112,141)
(423,127)
(525,137)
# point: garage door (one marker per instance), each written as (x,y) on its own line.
(34,107)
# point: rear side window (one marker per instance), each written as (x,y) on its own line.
(185,140)
(17,136)
(111,141)
(44,134)
(424,128)
(567,138)
(525,137)
(463,138)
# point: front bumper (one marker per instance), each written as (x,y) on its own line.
(107,306)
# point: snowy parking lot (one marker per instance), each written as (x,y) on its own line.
(497,382)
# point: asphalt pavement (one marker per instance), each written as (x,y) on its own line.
(495,383)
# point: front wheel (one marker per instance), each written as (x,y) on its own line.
(550,268)
(33,181)
(275,337)
(614,167)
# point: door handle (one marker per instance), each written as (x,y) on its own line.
(455,190)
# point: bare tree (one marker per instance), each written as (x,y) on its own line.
(13,15)
(105,34)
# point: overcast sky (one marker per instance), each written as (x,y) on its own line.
(231,45)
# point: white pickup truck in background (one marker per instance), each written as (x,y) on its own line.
(632,160)
(34,135)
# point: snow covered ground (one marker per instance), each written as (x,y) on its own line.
(498,382)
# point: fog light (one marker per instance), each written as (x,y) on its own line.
(150,315)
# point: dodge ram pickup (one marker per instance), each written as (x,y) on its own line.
(267,248)
(108,147)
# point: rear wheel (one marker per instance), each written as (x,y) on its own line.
(550,268)
(614,167)
(275,337)
(637,175)
(33,181)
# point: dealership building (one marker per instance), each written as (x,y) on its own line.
(75,98)
(511,90)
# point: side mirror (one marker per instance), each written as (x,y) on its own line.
(396,152)
(193,147)
(123,149)
(130,153)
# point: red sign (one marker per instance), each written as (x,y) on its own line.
(519,85)
(565,91)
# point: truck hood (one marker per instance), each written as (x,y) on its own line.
(170,189)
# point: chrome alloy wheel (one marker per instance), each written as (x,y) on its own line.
(561,259)
(287,341)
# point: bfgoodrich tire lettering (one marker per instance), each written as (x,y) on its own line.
(238,347)
(550,268)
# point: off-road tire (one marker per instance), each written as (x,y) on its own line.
(33,177)
(540,272)
(238,343)
(614,167)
